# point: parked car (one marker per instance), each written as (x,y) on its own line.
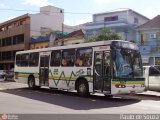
(152,77)
(9,74)
(3,74)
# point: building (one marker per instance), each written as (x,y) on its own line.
(15,34)
(121,21)
(40,42)
(75,37)
(149,41)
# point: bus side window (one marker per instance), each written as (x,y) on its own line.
(18,60)
(55,58)
(68,57)
(24,60)
(33,59)
(84,57)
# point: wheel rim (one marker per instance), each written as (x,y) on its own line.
(82,88)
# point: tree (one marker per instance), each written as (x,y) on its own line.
(105,34)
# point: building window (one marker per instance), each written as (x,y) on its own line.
(18,39)
(8,41)
(153,36)
(6,55)
(3,42)
(0,56)
(142,40)
(136,20)
(0,43)
(112,18)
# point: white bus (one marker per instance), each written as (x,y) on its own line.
(107,67)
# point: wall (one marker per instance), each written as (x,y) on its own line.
(12,29)
(132,15)
(39,45)
(100,17)
(52,19)
(70,41)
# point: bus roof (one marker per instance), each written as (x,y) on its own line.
(90,44)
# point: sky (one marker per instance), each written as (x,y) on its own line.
(77,11)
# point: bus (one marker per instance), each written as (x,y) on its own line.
(109,67)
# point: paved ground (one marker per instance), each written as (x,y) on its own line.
(147,95)
(10,85)
(13,85)
(16,99)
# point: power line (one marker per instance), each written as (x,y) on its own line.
(17,10)
(38,11)
(28,10)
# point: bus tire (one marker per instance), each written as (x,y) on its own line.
(31,82)
(4,78)
(82,88)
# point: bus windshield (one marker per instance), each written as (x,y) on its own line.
(127,63)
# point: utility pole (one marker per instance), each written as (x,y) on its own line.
(62,34)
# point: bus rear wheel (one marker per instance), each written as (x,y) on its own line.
(31,82)
(82,88)
(4,78)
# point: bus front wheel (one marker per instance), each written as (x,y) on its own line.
(82,88)
(31,83)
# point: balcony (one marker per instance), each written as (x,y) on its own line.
(15,30)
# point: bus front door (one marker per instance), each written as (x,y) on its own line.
(44,70)
(102,80)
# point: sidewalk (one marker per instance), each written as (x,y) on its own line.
(5,85)
(151,93)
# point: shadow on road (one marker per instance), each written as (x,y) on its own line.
(70,99)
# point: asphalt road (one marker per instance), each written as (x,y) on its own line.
(17,99)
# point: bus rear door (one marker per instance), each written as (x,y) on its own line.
(44,69)
(102,80)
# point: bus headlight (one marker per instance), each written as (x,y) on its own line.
(120,86)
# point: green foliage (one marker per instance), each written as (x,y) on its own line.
(105,34)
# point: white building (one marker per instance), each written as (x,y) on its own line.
(122,21)
(49,19)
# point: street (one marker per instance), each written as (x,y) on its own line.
(18,99)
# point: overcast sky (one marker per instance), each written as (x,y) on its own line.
(77,11)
